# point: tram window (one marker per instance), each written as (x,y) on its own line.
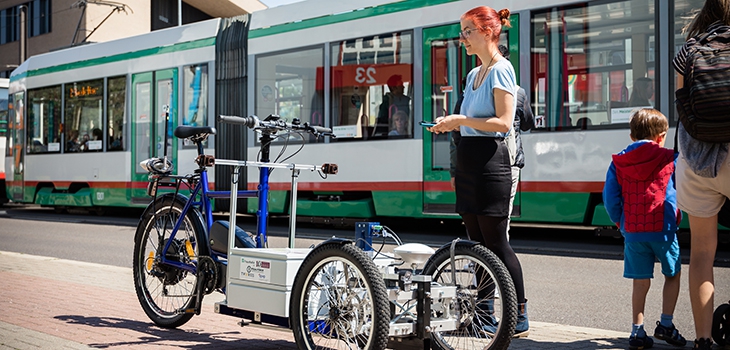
(83,116)
(3,112)
(44,120)
(291,85)
(684,11)
(372,87)
(195,97)
(116,100)
(589,60)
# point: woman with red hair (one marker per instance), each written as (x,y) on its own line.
(486,151)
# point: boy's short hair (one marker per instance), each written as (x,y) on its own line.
(647,124)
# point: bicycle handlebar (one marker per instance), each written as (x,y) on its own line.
(273,123)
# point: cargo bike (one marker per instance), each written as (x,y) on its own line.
(339,294)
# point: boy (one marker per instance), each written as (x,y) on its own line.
(640,197)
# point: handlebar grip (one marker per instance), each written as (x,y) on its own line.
(249,122)
(321,129)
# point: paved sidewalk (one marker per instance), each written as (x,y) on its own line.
(50,303)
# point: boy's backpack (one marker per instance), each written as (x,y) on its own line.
(721,325)
(703,104)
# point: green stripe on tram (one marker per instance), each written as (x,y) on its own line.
(345,17)
(188,45)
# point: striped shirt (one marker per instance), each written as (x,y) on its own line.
(680,60)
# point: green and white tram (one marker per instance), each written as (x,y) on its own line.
(353,70)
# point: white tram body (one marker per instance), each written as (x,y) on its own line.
(332,63)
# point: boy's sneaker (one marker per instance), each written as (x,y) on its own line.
(703,344)
(640,343)
(669,334)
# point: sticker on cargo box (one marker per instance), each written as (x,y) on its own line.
(255,270)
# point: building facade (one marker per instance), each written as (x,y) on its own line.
(56,24)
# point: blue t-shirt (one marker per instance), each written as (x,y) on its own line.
(479,103)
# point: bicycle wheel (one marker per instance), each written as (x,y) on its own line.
(165,291)
(485,296)
(339,300)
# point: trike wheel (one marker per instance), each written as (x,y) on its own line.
(486,303)
(165,291)
(339,300)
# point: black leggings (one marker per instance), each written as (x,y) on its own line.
(491,232)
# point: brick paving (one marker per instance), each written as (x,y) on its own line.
(50,303)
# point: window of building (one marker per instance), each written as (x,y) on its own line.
(44,120)
(592,64)
(372,87)
(39,17)
(83,121)
(116,99)
(8,25)
(291,85)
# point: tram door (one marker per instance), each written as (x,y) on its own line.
(446,65)
(15,178)
(154,111)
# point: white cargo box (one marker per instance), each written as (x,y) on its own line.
(260,279)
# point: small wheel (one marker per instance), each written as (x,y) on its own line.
(339,300)
(164,291)
(486,304)
(721,325)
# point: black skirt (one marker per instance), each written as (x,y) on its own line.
(483,176)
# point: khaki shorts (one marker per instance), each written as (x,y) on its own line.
(701,196)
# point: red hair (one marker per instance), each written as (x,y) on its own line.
(486,17)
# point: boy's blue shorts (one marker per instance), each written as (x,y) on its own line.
(639,258)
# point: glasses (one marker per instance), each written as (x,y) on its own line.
(464,34)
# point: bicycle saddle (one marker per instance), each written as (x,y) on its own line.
(184,131)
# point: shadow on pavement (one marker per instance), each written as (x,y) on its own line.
(151,335)
(593,344)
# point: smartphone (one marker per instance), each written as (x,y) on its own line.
(426,124)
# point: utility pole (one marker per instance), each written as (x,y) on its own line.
(179,13)
(22,14)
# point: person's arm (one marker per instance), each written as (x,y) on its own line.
(527,119)
(612,200)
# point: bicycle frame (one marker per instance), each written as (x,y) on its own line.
(201,190)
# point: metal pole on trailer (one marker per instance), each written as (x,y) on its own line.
(293,207)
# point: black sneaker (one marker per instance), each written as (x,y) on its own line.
(669,334)
(640,343)
(703,344)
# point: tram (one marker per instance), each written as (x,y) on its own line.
(84,117)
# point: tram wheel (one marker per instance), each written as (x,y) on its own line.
(339,300)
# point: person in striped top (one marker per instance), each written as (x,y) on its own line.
(703,184)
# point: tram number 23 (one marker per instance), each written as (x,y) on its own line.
(365,75)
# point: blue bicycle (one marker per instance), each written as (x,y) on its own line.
(180,251)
